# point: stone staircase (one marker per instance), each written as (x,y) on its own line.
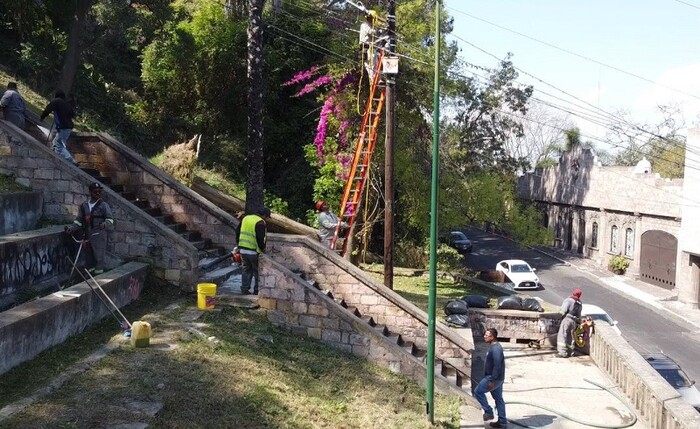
(455,379)
(214,261)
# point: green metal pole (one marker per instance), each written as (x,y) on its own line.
(430,392)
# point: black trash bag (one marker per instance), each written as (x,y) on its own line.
(476,301)
(510,302)
(461,320)
(531,304)
(456,307)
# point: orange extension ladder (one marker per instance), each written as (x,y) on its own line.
(357,177)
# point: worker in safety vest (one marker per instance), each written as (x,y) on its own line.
(251,236)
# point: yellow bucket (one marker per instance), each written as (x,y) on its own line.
(205,296)
(140,334)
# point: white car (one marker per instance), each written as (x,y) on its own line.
(520,274)
(599,316)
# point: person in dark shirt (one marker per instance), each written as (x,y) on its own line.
(63,119)
(570,314)
(12,105)
(494,375)
(251,236)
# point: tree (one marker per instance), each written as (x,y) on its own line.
(256,176)
(74,47)
(662,144)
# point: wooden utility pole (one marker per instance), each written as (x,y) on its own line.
(390,80)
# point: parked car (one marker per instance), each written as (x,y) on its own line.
(599,316)
(676,377)
(459,241)
(520,274)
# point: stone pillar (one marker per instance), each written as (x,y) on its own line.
(634,268)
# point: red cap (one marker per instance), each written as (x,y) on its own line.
(319,204)
(576,293)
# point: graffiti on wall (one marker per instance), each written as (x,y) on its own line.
(28,263)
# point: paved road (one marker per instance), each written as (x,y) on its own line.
(644,329)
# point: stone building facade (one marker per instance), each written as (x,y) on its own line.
(602,212)
(689,265)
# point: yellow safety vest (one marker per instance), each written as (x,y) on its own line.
(247,239)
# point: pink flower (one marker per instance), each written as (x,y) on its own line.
(302,76)
(310,87)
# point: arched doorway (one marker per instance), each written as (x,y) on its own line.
(658,259)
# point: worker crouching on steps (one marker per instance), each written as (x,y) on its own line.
(571,313)
(251,237)
(95,219)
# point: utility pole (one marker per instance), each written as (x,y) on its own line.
(430,361)
(390,80)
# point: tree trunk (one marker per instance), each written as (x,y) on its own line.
(71,61)
(254,192)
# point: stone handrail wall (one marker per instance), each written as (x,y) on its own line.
(516,325)
(64,187)
(137,174)
(371,298)
(656,402)
(30,328)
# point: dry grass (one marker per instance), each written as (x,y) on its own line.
(256,376)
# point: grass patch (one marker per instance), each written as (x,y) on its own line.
(8,184)
(256,376)
(416,288)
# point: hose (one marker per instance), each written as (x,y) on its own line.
(618,397)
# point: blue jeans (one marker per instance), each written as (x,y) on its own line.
(497,394)
(59,144)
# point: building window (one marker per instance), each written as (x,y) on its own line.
(629,242)
(558,226)
(594,235)
(613,239)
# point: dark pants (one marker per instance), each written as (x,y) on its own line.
(250,271)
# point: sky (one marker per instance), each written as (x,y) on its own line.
(658,40)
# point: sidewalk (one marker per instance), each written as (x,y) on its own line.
(662,301)
(558,386)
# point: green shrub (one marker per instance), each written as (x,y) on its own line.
(618,264)
(409,255)
(448,259)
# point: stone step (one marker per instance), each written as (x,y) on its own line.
(128,195)
(191,235)
(154,211)
(117,188)
(220,275)
(165,219)
(142,204)
(177,227)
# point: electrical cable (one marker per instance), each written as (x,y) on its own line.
(574,53)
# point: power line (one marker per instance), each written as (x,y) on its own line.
(687,4)
(575,54)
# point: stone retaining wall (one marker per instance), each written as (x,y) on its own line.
(30,258)
(656,402)
(371,298)
(19,211)
(30,328)
(516,325)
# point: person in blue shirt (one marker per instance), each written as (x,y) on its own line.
(494,375)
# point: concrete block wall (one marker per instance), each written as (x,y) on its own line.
(19,211)
(656,402)
(64,188)
(137,174)
(360,290)
(29,329)
(30,258)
